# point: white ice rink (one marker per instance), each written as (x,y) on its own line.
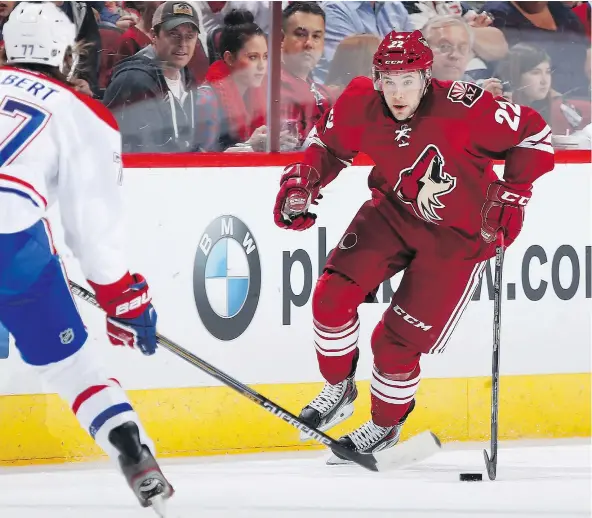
(535,480)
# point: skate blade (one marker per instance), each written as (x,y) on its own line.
(346,412)
(158,503)
(417,448)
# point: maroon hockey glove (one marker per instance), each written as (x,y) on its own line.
(299,188)
(503,210)
(131,319)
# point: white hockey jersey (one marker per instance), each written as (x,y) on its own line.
(59,145)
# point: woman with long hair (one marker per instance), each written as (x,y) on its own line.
(528,75)
(231,105)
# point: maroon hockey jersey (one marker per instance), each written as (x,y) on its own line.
(438,164)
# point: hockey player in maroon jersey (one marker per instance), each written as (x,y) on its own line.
(435,210)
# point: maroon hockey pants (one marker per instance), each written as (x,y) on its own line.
(422,314)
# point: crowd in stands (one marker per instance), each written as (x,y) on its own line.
(193,76)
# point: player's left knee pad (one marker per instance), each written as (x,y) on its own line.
(395,377)
(335,300)
(98,401)
(336,325)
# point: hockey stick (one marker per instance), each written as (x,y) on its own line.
(365,460)
(491,462)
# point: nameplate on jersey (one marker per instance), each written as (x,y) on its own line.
(465,93)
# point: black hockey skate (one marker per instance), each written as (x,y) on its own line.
(140,468)
(371,438)
(333,405)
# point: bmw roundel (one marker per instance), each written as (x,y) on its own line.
(226,277)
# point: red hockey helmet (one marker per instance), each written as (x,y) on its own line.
(402,52)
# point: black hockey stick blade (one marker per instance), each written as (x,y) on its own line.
(366,461)
(491,464)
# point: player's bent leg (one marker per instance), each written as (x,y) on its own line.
(336,324)
(55,347)
(424,311)
(336,328)
(395,379)
(103,409)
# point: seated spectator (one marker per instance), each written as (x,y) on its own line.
(113,14)
(352,58)
(489,43)
(351,18)
(108,56)
(582,11)
(451,39)
(553,27)
(213,13)
(138,37)
(231,105)
(151,93)
(87,31)
(527,73)
(421,13)
(303,101)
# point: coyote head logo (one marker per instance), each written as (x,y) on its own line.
(422,184)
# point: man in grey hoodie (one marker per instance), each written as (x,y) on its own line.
(151,93)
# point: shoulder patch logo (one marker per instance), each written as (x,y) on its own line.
(465,93)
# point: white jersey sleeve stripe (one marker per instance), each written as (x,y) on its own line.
(19,187)
(540,141)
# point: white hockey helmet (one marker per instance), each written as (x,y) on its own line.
(38,32)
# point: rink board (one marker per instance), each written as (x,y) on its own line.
(546,328)
(216,420)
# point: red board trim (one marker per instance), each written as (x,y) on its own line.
(160,161)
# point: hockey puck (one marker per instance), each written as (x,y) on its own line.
(471,477)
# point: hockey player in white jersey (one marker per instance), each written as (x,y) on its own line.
(59,145)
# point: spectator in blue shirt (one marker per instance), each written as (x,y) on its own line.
(350,18)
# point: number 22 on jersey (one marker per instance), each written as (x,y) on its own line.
(509,113)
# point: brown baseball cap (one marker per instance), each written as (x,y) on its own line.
(170,14)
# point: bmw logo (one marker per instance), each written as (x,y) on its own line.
(226,277)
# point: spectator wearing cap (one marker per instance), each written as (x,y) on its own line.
(138,36)
(303,101)
(151,93)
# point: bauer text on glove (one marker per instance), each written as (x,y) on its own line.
(131,318)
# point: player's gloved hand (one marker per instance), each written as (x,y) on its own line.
(131,318)
(299,188)
(503,210)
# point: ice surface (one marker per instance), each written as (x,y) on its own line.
(535,480)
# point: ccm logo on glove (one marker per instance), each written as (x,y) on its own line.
(512,197)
